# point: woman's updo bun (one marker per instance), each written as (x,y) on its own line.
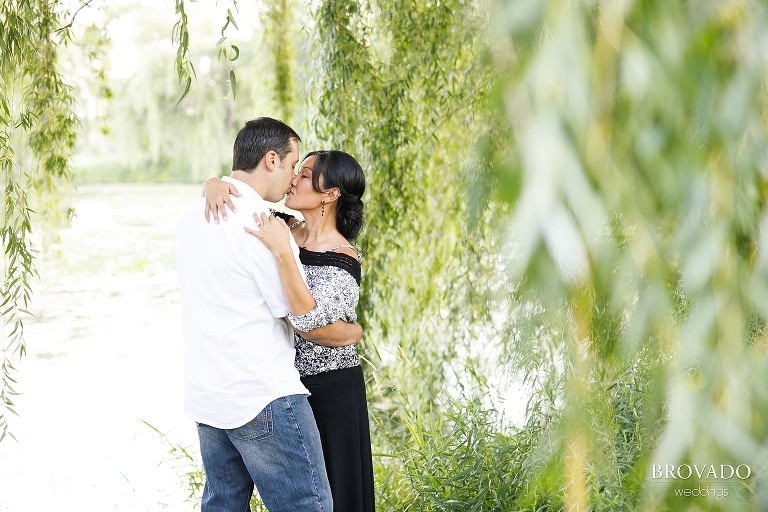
(340,170)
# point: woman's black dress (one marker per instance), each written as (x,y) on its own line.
(335,380)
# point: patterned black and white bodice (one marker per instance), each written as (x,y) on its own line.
(334,280)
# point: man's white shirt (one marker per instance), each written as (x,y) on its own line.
(239,350)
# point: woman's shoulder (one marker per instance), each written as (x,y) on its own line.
(333,259)
(348,249)
(287,217)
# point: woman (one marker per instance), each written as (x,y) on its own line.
(327,190)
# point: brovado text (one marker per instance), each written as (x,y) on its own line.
(700,471)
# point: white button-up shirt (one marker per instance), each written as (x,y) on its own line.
(239,351)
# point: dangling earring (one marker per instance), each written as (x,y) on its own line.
(322,210)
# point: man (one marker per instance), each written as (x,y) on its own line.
(241,387)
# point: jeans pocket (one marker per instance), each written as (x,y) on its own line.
(259,427)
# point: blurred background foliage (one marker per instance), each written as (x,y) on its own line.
(139,131)
(568,196)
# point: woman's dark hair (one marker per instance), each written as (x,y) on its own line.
(340,170)
(259,136)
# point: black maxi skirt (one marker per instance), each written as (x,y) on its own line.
(338,402)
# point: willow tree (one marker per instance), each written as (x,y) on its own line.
(37,134)
(639,214)
(279,18)
(403,86)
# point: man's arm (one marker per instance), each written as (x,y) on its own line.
(337,334)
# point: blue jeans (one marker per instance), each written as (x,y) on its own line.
(279,451)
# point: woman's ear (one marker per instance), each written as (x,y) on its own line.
(332,195)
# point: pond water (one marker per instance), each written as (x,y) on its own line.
(104,353)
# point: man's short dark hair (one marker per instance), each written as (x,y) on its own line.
(259,136)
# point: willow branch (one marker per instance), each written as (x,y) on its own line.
(72,21)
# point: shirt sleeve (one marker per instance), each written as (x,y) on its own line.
(336,294)
(265,272)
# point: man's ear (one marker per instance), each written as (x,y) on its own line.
(271,159)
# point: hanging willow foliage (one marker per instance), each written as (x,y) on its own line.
(390,86)
(403,87)
(37,134)
(639,218)
(279,20)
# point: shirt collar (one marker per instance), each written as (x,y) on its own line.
(246,190)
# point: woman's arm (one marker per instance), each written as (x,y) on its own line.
(274,233)
(337,334)
(332,321)
(217,194)
(332,330)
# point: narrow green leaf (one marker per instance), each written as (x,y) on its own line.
(187,86)
(232,19)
